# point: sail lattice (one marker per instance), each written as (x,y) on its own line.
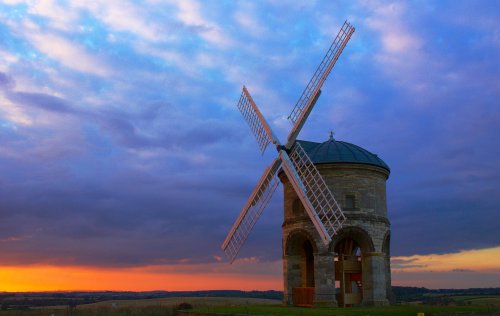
(252,115)
(321,72)
(317,191)
(257,202)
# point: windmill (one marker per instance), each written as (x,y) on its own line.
(313,192)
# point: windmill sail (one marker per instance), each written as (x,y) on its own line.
(300,189)
(255,120)
(306,101)
(307,182)
(317,191)
(257,202)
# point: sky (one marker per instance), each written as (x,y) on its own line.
(124,160)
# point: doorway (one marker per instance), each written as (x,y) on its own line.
(348,272)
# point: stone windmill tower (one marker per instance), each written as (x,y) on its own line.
(354,267)
(322,245)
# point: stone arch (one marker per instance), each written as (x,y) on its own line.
(300,250)
(351,246)
(359,235)
(294,238)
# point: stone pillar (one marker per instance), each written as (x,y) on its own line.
(390,295)
(324,276)
(374,279)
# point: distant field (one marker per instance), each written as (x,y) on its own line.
(248,306)
(144,307)
(487,300)
(355,311)
(197,302)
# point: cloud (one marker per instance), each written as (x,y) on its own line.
(400,53)
(13,238)
(126,16)
(42,101)
(119,16)
(388,20)
(248,17)
(59,16)
(190,13)
(463,269)
(6,82)
(486,260)
(67,53)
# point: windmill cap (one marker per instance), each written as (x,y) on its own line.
(334,151)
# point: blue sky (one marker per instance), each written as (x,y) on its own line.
(121,143)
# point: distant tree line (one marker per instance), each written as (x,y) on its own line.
(412,294)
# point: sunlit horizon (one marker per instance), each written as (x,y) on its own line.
(458,269)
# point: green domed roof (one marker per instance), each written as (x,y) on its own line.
(333,151)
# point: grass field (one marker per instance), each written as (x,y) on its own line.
(372,311)
(146,307)
(249,306)
(478,300)
(196,302)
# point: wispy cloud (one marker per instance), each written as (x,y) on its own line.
(190,13)
(485,260)
(68,53)
(463,269)
(401,54)
(128,16)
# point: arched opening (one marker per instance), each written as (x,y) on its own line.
(348,272)
(349,247)
(299,263)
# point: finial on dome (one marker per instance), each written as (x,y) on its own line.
(331,135)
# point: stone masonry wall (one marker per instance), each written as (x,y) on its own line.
(369,214)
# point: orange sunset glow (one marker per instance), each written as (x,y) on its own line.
(50,278)
(246,274)
(487,259)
